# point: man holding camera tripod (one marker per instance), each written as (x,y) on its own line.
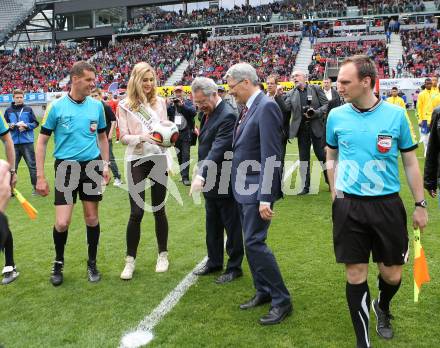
(181,111)
(307,104)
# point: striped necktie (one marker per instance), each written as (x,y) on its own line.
(241,118)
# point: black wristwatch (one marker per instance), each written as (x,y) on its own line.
(422,204)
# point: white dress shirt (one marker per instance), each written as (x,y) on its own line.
(328,94)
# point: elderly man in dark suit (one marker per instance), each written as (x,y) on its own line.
(215,152)
(307,104)
(256,185)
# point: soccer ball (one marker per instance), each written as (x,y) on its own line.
(165,133)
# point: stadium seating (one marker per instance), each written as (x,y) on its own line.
(339,50)
(137,24)
(36,70)
(369,7)
(164,53)
(42,70)
(267,55)
(421,51)
(322,9)
(155,19)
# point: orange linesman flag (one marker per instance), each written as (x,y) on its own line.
(28,208)
(421,274)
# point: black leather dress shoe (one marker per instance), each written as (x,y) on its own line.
(186,182)
(255,301)
(205,270)
(304,192)
(276,315)
(229,277)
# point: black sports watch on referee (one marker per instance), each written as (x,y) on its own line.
(422,204)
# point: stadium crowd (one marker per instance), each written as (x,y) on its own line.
(36,70)
(137,23)
(237,15)
(332,51)
(155,19)
(165,53)
(368,7)
(40,70)
(271,55)
(421,51)
(323,9)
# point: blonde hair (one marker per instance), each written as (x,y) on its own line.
(135,93)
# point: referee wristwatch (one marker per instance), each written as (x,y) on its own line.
(422,204)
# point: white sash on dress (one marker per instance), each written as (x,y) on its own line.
(147,117)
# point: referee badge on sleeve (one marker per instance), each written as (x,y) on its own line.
(93,126)
(384,143)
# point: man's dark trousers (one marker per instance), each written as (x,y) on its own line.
(222,214)
(27,152)
(183,154)
(306,138)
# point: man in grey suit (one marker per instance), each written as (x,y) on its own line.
(308,105)
(256,185)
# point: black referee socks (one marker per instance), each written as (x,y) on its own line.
(386,293)
(93,233)
(9,250)
(358,299)
(59,239)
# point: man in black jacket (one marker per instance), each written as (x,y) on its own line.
(213,178)
(275,92)
(432,161)
(181,111)
(22,122)
(307,104)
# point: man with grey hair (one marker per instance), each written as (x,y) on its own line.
(213,178)
(308,105)
(256,185)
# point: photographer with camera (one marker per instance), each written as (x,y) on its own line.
(307,104)
(181,111)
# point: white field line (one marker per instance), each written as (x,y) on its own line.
(143,334)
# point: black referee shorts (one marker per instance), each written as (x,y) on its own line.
(73,178)
(364,225)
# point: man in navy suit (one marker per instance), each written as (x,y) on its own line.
(256,185)
(213,178)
